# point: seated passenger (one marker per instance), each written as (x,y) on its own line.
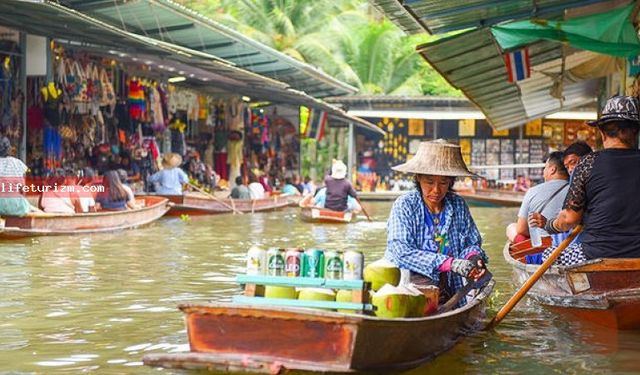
(574,153)
(338,187)
(603,191)
(58,198)
(319,199)
(114,197)
(546,197)
(12,171)
(256,189)
(240,191)
(131,198)
(289,188)
(170,179)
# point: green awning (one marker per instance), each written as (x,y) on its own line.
(610,33)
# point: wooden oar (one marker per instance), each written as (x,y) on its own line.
(210,196)
(533,278)
(364,211)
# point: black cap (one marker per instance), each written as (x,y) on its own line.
(619,108)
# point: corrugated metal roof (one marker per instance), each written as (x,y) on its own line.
(473,63)
(442,16)
(171,22)
(50,19)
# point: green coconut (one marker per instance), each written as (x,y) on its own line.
(273,291)
(392,302)
(316,294)
(417,300)
(344,295)
(381,272)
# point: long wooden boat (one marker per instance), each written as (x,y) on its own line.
(323,215)
(492,197)
(251,338)
(602,291)
(199,204)
(45,224)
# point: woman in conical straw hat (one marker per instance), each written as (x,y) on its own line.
(171,178)
(430,230)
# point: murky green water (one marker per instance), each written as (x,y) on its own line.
(99,303)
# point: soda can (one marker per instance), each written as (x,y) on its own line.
(275,262)
(353,264)
(313,263)
(256,261)
(293,262)
(333,268)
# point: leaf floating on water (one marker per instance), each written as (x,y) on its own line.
(185,218)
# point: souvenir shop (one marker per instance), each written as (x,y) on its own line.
(98,111)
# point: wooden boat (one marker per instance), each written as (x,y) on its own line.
(251,338)
(45,224)
(602,291)
(200,204)
(492,197)
(323,215)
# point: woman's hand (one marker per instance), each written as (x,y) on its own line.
(536,220)
(472,268)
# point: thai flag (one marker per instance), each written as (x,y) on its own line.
(518,66)
(316,123)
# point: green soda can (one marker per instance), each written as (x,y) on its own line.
(333,268)
(313,263)
(275,262)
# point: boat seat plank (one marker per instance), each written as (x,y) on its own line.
(300,303)
(301,282)
(607,265)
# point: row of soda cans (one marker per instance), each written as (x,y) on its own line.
(328,264)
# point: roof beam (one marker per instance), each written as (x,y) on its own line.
(168,29)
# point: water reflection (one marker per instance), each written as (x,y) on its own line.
(100,302)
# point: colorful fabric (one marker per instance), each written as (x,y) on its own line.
(137,104)
(316,123)
(518,67)
(411,244)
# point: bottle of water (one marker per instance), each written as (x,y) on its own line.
(536,236)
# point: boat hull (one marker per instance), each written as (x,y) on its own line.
(602,291)
(492,198)
(196,205)
(67,224)
(261,339)
(321,215)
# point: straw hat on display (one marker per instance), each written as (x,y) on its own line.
(171,160)
(338,169)
(438,158)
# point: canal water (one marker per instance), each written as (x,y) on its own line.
(99,303)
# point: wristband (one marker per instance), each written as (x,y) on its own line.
(550,228)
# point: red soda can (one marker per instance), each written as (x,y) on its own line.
(293,262)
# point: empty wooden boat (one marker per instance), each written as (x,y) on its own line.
(323,215)
(492,197)
(200,204)
(602,291)
(252,338)
(46,224)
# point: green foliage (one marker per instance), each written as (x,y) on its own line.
(341,37)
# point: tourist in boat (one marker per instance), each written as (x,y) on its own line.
(240,191)
(338,188)
(603,191)
(12,171)
(289,188)
(60,196)
(430,231)
(574,153)
(308,187)
(131,198)
(256,189)
(546,198)
(521,185)
(170,179)
(114,197)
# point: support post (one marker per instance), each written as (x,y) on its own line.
(351,150)
(22,149)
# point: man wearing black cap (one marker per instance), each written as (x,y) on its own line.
(603,191)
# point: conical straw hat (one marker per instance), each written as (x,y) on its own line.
(438,158)
(171,160)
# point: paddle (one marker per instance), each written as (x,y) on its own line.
(364,211)
(215,199)
(453,301)
(533,278)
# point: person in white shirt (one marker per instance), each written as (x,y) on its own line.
(256,190)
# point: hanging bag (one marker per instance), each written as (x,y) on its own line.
(108,94)
(81,98)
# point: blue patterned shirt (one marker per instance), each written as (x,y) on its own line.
(410,238)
